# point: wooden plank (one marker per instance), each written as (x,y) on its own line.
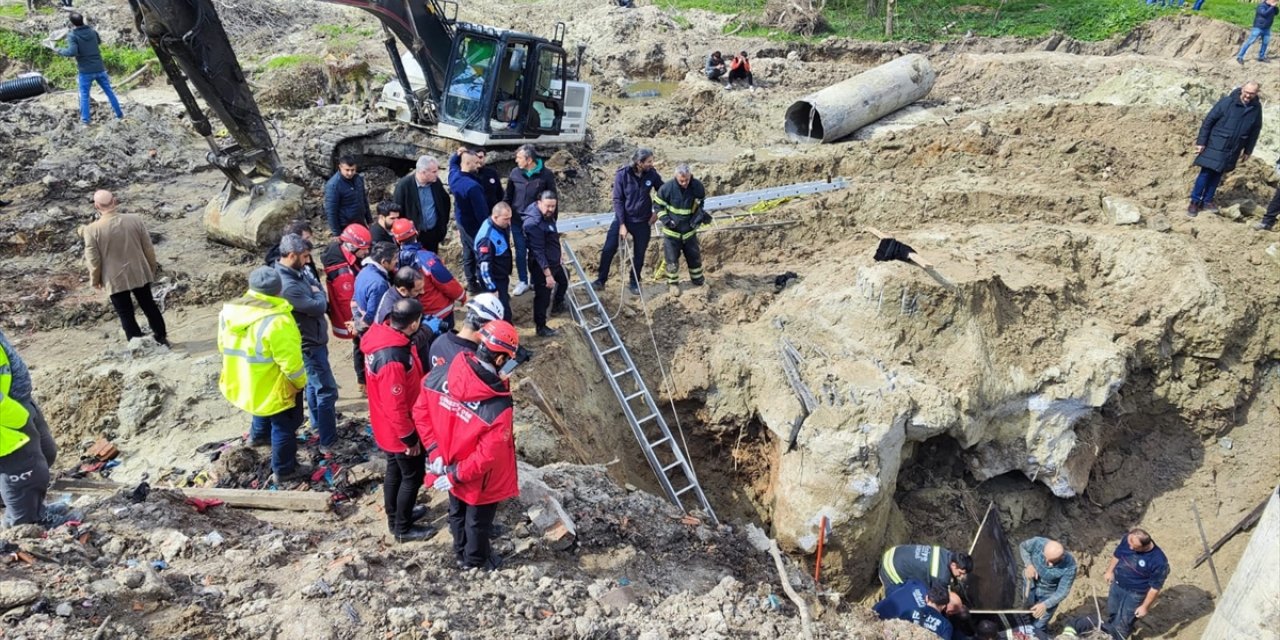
(239,498)
(1248,521)
(1247,607)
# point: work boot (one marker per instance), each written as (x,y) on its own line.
(416,534)
(1193,210)
(547,332)
(1210,206)
(1262,226)
(264,443)
(634,289)
(597,284)
(419,512)
(674,290)
(1240,61)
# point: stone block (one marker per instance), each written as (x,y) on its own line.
(1121,210)
(253,223)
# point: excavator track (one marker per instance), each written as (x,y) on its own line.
(385,144)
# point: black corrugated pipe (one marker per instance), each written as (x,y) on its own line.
(22,88)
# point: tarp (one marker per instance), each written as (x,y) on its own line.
(991,589)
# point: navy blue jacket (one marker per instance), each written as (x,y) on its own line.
(1139,572)
(1265,16)
(83,45)
(493,255)
(345,202)
(907,602)
(371,284)
(471,208)
(633,195)
(1230,128)
(542,239)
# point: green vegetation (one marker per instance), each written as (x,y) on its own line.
(346,38)
(930,20)
(16,11)
(28,51)
(289,61)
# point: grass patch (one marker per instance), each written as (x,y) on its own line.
(932,20)
(346,38)
(290,61)
(16,11)
(29,52)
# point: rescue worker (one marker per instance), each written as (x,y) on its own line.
(395,378)
(493,255)
(341,260)
(482,309)
(471,208)
(679,205)
(440,289)
(740,69)
(23,391)
(931,565)
(24,453)
(388,213)
(408,282)
(306,296)
(549,278)
(262,369)
(464,417)
(1050,571)
(988,630)
(423,200)
(920,605)
(529,179)
(345,199)
(1082,625)
(1136,574)
(633,215)
(371,284)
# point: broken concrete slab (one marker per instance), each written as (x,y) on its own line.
(15,593)
(252,223)
(619,599)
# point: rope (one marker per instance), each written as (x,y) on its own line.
(668,385)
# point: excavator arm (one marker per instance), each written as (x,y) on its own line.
(195,53)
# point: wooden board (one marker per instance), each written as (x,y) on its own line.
(239,498)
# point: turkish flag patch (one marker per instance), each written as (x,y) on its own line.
(484,249)
(396,389)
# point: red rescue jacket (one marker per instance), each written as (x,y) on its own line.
(393,377)
(340,268)
(740,62)
(464,414)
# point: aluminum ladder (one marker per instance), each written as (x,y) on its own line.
(663,452)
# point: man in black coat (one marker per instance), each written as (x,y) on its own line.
(527,182)
(1227,135)
(423,200)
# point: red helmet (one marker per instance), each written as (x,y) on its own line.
(499,336)
(402,229)
(357,236)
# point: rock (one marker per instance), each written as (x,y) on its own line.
(132,578)
(170,542)
(15,593)
(64,610)
(252,228)
(105,587)
(1121,210)
(1232,212)
(403,618)
(977,128)
(1159,223)
(619,599)
(366,472)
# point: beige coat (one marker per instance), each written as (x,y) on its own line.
(119,253)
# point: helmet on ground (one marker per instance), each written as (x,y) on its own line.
(357,236)
(486,306)
(403,229)
(500,337)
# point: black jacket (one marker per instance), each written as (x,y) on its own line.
(523,188)
(1231,128)
(406,195)
(542,239)
(310,304)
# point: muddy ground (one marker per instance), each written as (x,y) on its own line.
(997,175)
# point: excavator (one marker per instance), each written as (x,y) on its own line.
(455,83)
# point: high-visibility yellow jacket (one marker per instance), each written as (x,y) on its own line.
(261,350)
(13,416)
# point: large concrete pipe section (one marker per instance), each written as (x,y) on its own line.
(841,109)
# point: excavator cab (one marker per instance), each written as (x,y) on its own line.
(500,88)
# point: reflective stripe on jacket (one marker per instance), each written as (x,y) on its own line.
(261,351)
(13,416)
(680,208)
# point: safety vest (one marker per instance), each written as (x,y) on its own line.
(13,416)
(261,348)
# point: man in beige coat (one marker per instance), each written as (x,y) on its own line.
(118,250)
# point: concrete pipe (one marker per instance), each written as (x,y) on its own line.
(841,109)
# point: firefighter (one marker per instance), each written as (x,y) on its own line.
(679,204)
(440,288)
(341,260)
(931,565)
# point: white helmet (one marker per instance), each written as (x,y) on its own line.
(486,306)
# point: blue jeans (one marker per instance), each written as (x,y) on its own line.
(282,428)
(517,239)
(86,83)
(1121,606)
(322,393)
(1197,5)
(1206,186)
(1039,596)
(1255,35)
